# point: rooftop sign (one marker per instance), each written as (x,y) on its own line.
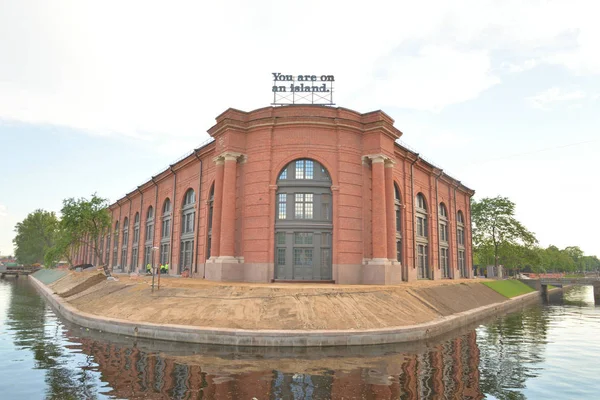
(302,89)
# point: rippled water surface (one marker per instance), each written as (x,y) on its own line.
(541,352)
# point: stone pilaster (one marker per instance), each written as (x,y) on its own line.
(217,207)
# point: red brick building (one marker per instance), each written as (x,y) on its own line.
(297,193)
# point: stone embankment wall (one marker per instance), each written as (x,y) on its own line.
(273,315)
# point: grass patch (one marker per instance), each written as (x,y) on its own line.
(509,287)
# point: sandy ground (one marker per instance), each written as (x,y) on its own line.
(271,306)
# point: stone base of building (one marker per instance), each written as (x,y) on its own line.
(225,268)
(381,271)
(371,272)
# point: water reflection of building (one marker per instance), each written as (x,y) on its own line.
(448,370)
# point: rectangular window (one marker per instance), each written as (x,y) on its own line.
(149,232)
(280,256)
(188,222)
(326,207)
(422,260)
(461,237)
(280,237)
(303,238)
(443,232)
(461,263)
(303,206)
(136,235)
(166,228)
(421,227)
(114,260)
(164,254)
(187,254)
(124,258)
(444,261)
(308,173)
(397,219)
(325,239)
(282,209)
(147,256)
(300,169)
(399,250)
(325,258)
(134,258)
(303,257)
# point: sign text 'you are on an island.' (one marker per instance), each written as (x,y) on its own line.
(293,89)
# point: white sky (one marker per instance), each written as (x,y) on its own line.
(504,95)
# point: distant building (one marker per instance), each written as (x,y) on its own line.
(296,193)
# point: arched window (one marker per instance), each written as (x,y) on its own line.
(398,215)
(136,241)
(422,237)
(165,233)
(211,201)
(124,244)
(303,222)
(188,214)
(443,241)
(460,239)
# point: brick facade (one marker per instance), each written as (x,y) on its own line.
(241,167)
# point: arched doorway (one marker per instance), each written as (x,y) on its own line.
(303,222)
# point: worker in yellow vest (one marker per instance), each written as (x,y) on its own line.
(148,269)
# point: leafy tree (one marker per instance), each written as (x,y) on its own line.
(35,235)
(83,223)
(495,226)
(554,259)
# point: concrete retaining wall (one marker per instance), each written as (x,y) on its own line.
(280,338)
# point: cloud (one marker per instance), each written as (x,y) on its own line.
(87,66)
(436,77)
(546,99)
(522,67)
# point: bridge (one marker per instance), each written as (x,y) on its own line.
(561,282)
(16,271)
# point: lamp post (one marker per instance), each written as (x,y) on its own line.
(153,272)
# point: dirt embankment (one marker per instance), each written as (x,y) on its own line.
(270,306)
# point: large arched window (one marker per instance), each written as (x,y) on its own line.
(165,233)
(188,214)
(398,215)
(443,241)
(149,237)
(211,202)
(136,241)
(422,237)
(303,222)
(124,244)
(115,245)
(460,239)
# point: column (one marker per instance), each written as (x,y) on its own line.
(227,245)
(390,210)
(378,217)
(217,207)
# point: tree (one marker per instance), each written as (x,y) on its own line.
(495,226)
(35,235)
(83,222)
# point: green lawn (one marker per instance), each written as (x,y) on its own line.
(509,287)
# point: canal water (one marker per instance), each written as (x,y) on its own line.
(540,352)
